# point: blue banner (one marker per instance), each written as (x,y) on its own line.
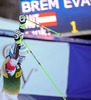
(59,16)
(79,73)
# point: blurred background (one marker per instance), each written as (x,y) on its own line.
(10,9)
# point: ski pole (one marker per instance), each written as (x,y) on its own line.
(48,76)
(48,29)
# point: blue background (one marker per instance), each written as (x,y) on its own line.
(82,16)
(79,76)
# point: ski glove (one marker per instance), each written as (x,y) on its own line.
(18,37)
(22,19)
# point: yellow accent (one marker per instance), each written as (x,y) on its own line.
(74,28)
(19,41)
(23,25)
(6,76)
(18,74)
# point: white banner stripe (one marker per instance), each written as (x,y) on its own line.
(47,19)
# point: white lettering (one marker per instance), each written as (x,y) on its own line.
(39,5)
(76,3)
(32,19)
(54,3)
(41,32)
(67,4)
(35,32)
(85,2)
(43,6)
(26,7)
(35,5)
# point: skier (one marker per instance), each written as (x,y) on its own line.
(11,67)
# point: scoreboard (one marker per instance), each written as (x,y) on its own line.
(59,16)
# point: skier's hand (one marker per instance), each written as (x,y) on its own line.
(18,37)
(22,19)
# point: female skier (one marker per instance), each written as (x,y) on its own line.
(11,67)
